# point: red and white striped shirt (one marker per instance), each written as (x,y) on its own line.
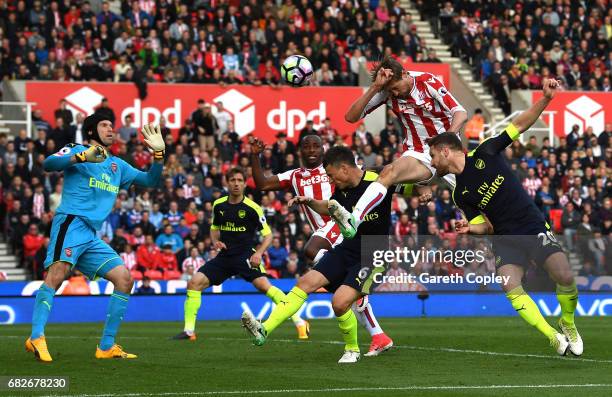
(426,113)
(129,259)
(313,183)
(196,262)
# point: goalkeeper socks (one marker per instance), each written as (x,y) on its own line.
(373,195)
(116,310)
(529,311)
(192,305)
(348,326)
(277,296)
(367,320)
(568,299)
(285,308)
(42,308)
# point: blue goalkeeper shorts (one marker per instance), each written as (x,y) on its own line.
(74,241)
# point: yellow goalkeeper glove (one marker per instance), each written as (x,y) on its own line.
(93,154)
(154,140)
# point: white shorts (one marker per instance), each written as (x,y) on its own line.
(330,232)
(425,159)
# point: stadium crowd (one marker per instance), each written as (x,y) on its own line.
(516,44)
(164,232)
(225,41)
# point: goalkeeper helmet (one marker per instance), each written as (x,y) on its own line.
(90,124)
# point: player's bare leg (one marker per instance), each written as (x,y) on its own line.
(277,296)
(402,170)
(527,308)
(343,299)
(559,269)
(37,343)
(315,248)
(198,283)
(122,282)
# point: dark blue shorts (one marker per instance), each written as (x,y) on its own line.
(536,245)
(343,267)
(222,267)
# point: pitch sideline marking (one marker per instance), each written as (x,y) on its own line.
(327,342)
(344,389)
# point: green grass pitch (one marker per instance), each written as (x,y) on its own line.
(433,357)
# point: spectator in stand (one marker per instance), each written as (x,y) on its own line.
(63,113)
(402,228)
(169,237)
(148,254)
(173,216)
(156,216)
(194,260)
(570,220)
(206,126)
(474,128)
(145,288)
(32,242)
(278,254)
(129,257)
(127,131)
(167,259)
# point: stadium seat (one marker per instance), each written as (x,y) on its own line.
(172,275)
(154,275)
(136,275)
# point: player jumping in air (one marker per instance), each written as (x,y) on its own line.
(236,220)
(487,186)
(312,181)
(341,270)
(92,180)
(425,109)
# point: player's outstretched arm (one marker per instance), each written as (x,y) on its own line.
(154,140)
(320,206)
(526,119)
(355,112)
(68,156)
(261,181)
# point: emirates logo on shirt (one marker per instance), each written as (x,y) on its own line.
(68,252)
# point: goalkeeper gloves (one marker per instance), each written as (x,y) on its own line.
(154,140)
(94,154)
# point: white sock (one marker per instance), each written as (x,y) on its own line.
(297,320)
(374,195)
(367,319)
(318,256)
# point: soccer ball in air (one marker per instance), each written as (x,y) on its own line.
(297,70)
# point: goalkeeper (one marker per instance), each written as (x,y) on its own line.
(92,180)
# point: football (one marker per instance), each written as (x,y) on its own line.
(297,70)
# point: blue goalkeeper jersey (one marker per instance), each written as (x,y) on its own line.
(90,189)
